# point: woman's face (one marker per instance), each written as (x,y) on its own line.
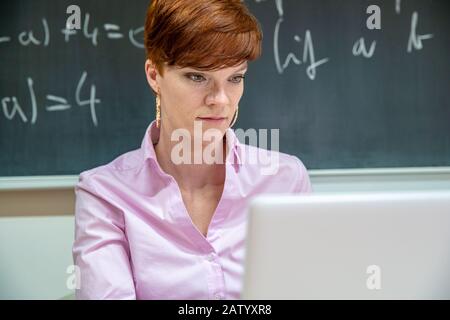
(188,95)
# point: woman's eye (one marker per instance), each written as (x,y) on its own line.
(237,79)
(196,77)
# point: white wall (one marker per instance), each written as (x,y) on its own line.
(34,255)
(37,226)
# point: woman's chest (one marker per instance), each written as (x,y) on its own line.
(165,259)
(201,207)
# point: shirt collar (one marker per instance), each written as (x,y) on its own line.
(151,137)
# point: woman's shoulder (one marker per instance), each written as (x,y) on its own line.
(115,169)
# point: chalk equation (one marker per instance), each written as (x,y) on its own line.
(12,108)
(41,35)
(307,57)
(308,53)
(360,48)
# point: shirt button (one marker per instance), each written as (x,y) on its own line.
(211,257)
(217,296)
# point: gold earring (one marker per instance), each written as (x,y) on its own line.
(235,116)
(158,111)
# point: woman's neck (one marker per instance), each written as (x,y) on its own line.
(189,176)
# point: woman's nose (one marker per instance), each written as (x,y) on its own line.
(218,96)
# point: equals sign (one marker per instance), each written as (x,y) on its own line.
(113,27)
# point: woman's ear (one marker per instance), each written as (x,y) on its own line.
(151,73)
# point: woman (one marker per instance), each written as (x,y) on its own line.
(160,223)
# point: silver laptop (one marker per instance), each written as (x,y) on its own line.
(348,246)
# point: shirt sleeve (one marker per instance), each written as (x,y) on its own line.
(302,182)
(100,250)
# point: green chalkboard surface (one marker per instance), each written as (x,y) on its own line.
(342,95)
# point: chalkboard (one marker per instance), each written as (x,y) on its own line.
(342,94)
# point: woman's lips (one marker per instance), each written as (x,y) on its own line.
(212,119)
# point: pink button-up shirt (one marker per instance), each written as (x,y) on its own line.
(134,238)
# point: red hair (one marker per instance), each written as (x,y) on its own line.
(203,34)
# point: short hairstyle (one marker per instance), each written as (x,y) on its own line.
(203,34)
